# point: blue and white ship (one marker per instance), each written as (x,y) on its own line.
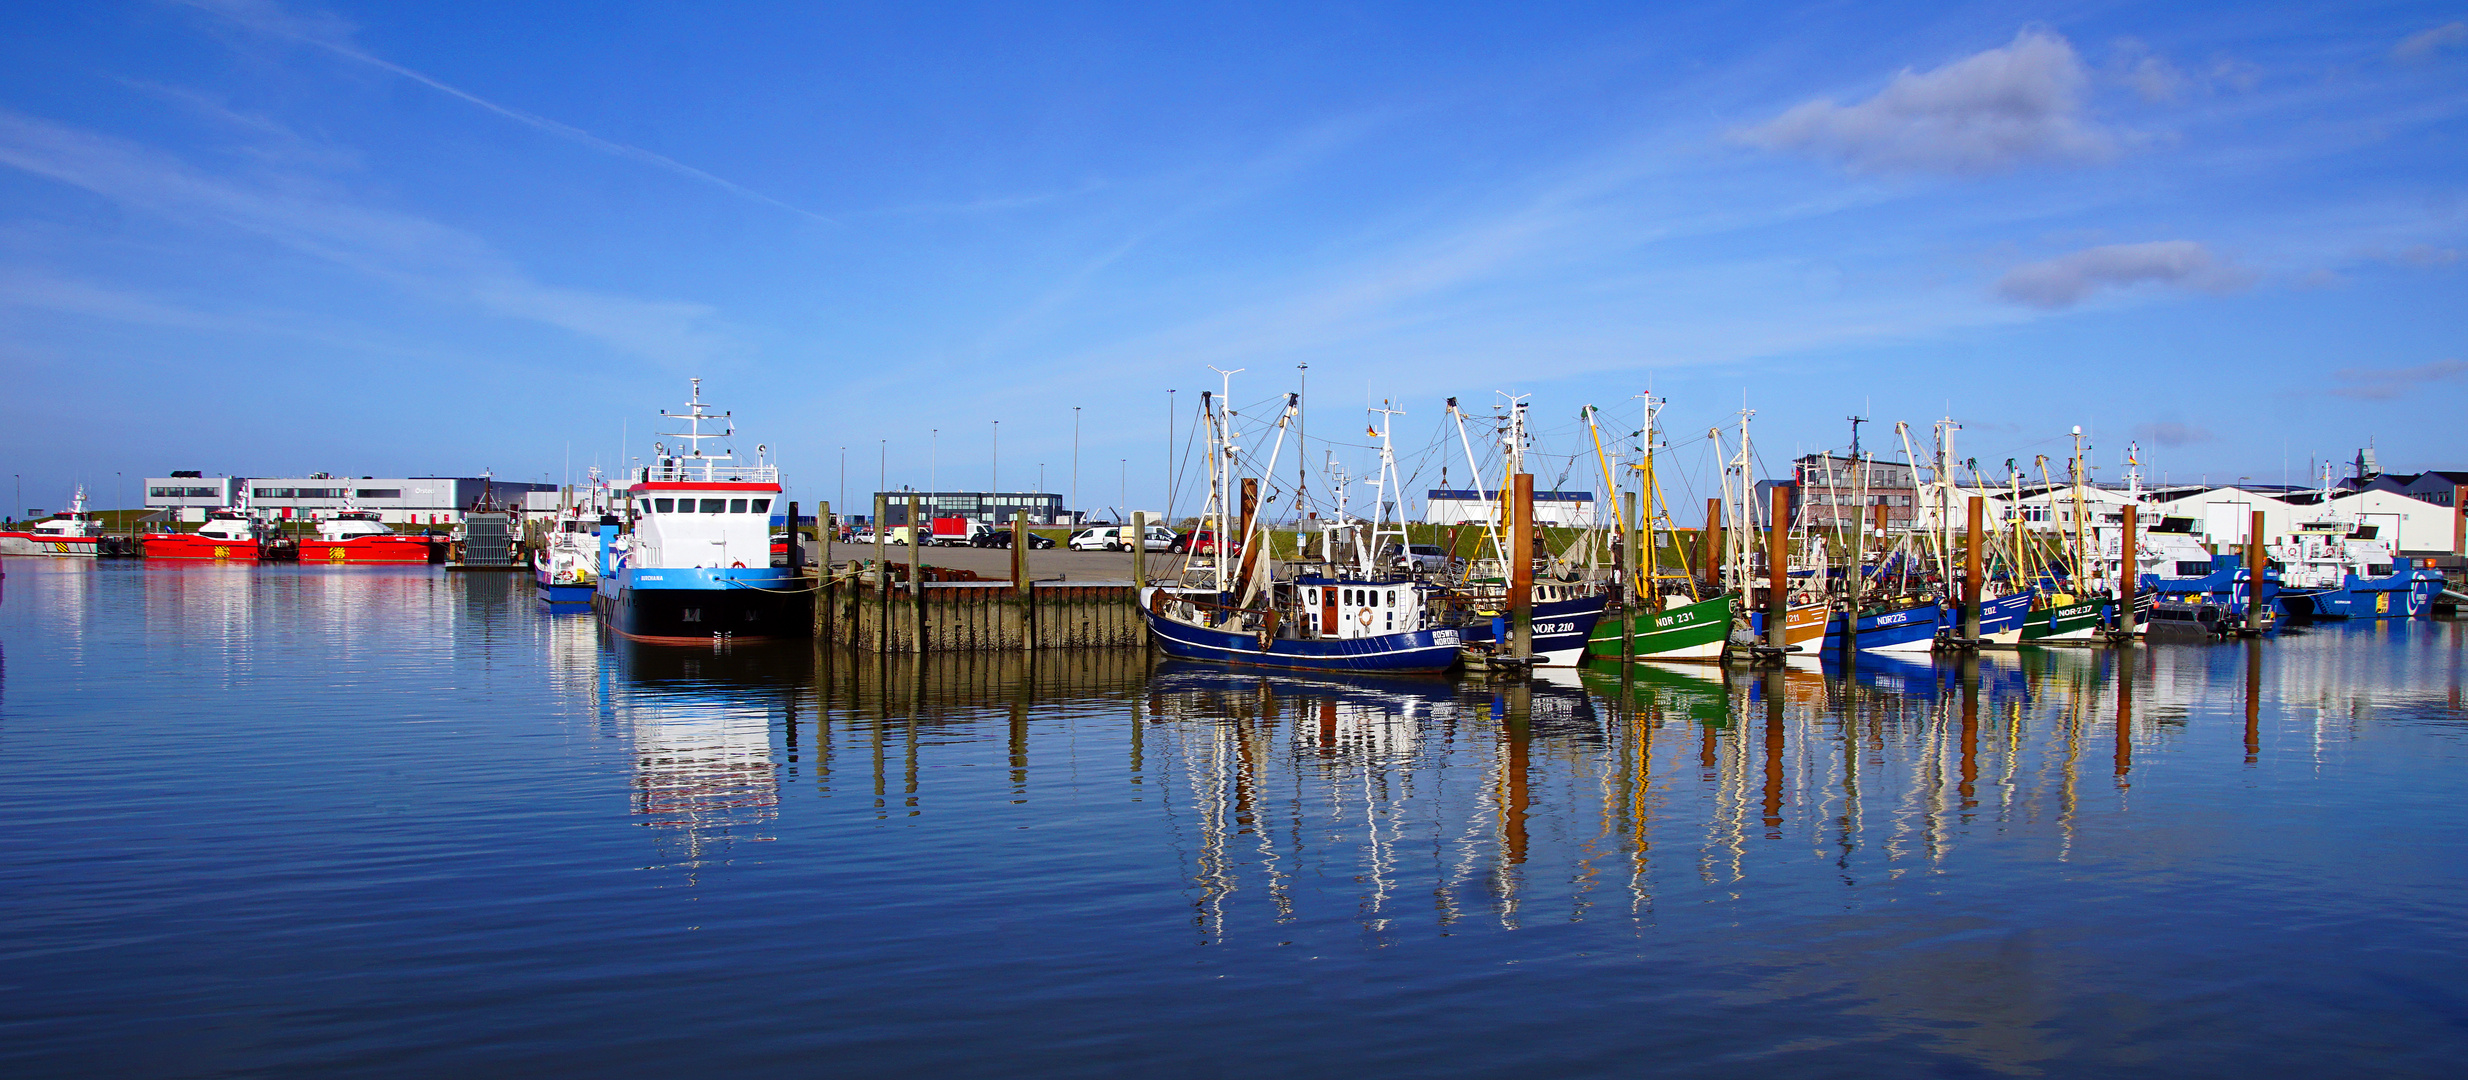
(696,566)
(2338,569)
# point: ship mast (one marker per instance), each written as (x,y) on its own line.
(696,415)
(1386,487)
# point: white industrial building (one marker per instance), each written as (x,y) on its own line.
(418,500)
(2222,516)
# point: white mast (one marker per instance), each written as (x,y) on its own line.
(1491,525)
(1387,487)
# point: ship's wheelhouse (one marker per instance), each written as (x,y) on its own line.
(710,524)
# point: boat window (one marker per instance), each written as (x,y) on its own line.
(714,506)
(736,506)
(1311,596)
(762,506)
(664,506)
(1392,597)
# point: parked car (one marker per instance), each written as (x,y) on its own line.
(1200,542)
(1419,557)
(1119,538)
(1001,538)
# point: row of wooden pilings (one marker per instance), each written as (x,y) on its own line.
(885,607)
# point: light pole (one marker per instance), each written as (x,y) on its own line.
(994,469)
(882,466)
(1125,493)
(1075,455)
(843,503)
(122,482)
(1169,459)
(934,449)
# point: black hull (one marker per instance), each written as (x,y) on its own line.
(701,615)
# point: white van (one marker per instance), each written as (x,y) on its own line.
(1118,538)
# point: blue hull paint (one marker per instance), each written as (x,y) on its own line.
(2404,595)
(1997,615)
(1560,626)
(1418,651)
(1885,631)
(560,594)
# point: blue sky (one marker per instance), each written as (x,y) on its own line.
(272,238)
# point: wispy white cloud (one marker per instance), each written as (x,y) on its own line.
(2147,73)
(307,216)
(332,34)
(2068,279)
(2423,44)
(2384,384)
(1988,112)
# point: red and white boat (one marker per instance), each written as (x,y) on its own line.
(360,536)
(227,534)
(70,534)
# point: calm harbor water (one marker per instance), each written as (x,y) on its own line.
(283,820)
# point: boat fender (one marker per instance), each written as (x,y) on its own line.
(1364,618)
(1265,637)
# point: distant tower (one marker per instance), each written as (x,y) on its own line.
(2367,467)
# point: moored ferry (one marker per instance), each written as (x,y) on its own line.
(696,566)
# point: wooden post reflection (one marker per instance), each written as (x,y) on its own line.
(2253,700)
(2125,715)
(1773,751)
(1518,732)
(1969,674)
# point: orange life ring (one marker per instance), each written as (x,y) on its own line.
(737,565)
(1364,618)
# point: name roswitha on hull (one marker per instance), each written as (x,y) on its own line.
(693,562)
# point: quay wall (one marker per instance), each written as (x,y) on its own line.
(863,615)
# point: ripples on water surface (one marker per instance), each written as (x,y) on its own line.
(394,822)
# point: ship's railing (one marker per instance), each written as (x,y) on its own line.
(689,472)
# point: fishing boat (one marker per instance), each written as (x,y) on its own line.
(1228,610)
(565,568)
(696,566)
(1567,605)
(361,536)
(1664,619)
(69,534)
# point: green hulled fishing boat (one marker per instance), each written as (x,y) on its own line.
(1686,632)
(2065,622)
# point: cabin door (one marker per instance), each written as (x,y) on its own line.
(1328,612)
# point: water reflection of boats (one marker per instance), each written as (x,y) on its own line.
(702,723)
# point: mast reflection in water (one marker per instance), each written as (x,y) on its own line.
(392,820)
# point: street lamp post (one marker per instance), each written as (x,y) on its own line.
(1125,493)
(994,469)
(1075,455)
(934,449)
